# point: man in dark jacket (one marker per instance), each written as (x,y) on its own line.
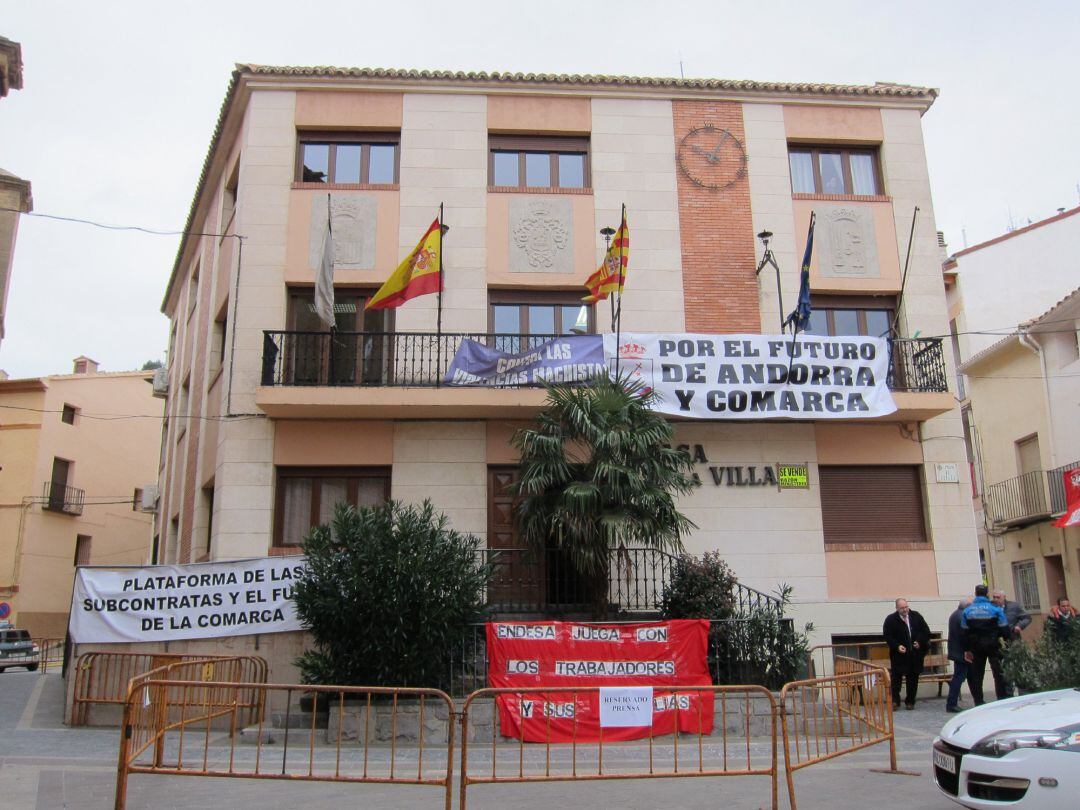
(1018,620)
(1062,616)
(908,637)
(956,655)
(983,627)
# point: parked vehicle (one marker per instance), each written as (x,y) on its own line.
(17,649)
(1023,752)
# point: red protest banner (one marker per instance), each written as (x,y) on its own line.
(657,654)
(1071,481)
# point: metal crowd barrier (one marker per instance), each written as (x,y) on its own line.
(821,660)
(102,678)
(190,726)
(729,751)
(50,653)
(827,717)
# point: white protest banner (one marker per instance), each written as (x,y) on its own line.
(626,706)
(759,376)
(172,602)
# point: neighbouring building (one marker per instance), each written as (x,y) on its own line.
(1015,315)
(15,196)
(77,451)
(266,431)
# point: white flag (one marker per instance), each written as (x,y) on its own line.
(324,282)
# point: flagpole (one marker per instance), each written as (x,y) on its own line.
(622,279)
(438,316)
(333,319)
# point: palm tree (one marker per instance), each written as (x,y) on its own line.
(598,473)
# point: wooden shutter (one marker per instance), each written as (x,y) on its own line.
(872,504)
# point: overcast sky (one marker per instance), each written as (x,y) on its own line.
(120,99)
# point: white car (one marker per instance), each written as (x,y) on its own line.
(1023,752)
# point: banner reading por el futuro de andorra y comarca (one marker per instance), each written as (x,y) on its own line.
(173,602)
(747,376)
(670,657)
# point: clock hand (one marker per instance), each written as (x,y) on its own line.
(712,157)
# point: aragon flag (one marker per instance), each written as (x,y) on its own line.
(611,275)
(419,274)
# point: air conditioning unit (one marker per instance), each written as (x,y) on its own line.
(149,498)
(161,382)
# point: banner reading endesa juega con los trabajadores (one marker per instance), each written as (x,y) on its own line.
(650,654)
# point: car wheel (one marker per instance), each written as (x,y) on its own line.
(31,667)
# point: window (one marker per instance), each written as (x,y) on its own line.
(208,505)
(82,549)
(306,496)
(525,162)
(834,170)
(193,290)
(348,158)
(1026,585)
(136,500)
(183,406)
(872,504)
(155,549)
(58,483)
(866,315)
(217,340)
(67,415)
(541,314)
(359,353)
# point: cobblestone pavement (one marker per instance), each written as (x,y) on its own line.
(47,766)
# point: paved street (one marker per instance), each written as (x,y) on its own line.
(46,766)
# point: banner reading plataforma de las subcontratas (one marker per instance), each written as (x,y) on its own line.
(747,376)
(173,602)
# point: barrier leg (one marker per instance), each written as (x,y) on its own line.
(122,764)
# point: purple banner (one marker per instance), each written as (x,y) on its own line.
(574,358)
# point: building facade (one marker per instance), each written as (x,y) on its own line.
(15,196)
(528,169)
(70,485)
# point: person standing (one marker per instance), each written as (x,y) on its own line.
(983,627)
(1018,619)
(956,655)
(908,637)
(1062,616)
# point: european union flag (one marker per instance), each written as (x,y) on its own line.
(800,316)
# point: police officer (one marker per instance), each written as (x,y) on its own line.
(983,627)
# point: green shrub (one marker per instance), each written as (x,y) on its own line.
(387,595)
(761,646)
(1052,662)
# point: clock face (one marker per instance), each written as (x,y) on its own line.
(712,158)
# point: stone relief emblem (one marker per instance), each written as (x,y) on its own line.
(850,245)
(354,219)
(540,236)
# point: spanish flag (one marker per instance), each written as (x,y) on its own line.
(419,274)
(611,275)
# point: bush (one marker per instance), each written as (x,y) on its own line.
(700,587)
(760,647)
(1052,662)
(387,595)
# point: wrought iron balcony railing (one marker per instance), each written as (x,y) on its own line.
(408,359)
(60,498)
(1018,500)
(1055,482)
(544,583)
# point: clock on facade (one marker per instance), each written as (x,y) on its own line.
(712,157)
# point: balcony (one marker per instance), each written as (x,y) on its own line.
(1028,498)
(63,499)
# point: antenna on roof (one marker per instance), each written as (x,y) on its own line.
(683,76)
(963,235)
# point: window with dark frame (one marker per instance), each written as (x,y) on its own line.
(872,504)
(837,315)
(337,157)
(1026,585)
(136,499)
(524,162)
(514,317)
(852,171)
(67,415)
(306,496)
(362,342)
(82,549)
